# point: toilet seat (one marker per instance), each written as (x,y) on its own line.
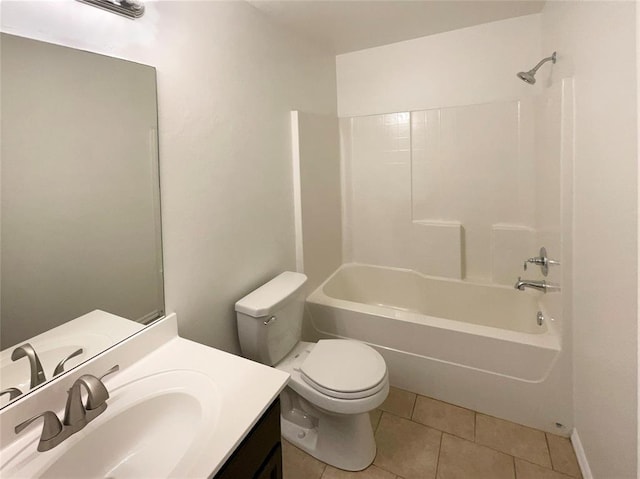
(292,365)
(344,369)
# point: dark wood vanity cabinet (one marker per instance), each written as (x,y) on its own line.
(272,469)
(259,456)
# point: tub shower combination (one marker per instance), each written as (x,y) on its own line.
(495,349)
(484,347)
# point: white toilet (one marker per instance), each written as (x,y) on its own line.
(334,383)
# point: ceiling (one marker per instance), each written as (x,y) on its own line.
(349,25)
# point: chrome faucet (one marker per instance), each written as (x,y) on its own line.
(37,373)
(543,286)
(77,414)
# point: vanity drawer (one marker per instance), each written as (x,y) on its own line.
(259,456)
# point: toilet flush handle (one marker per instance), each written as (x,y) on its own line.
(269,320)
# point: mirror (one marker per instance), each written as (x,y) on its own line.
(80,242)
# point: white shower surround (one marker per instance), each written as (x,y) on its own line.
(470,344)
(415,77)
(460,181)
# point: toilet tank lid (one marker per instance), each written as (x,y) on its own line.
(270,296)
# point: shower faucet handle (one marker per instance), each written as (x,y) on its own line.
(542,260)
(535,260)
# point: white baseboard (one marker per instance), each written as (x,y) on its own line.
(580,455)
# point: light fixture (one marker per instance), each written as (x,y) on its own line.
(126,8)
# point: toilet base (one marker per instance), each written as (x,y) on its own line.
(342,441)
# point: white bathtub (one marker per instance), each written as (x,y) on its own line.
(457,341)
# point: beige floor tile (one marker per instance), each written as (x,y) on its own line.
(563,457)
(461,459)
(399,402)
(519,441)
(371,472)
(375,418)
(297,464)
(526,470)
(407,448)
(446,417)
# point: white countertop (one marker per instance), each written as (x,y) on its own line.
(241,390)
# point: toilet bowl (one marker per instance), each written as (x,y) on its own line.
(335,430)
(333,384)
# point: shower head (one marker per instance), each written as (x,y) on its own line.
(530,76)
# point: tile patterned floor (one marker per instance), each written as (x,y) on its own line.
(422,438)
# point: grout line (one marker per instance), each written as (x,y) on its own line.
(441,430)
(546,441)
(562,475)
(515,471)
(439,453)
(436,428)
(382,468)
(510,422)
(476,412)
(375,429)
(475,428)
(497,450)
(413,408)
(475,415)
(447,403)
(518,457)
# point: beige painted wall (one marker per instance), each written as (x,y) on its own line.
(596,45)
(318,198)
(227,80)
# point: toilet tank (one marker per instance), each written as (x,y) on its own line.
(270,318)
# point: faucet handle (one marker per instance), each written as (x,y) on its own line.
(60,367)
(542,260)
(50,430)
(12,392)
(78,413)
(98,393)
(114,369)
(539,260)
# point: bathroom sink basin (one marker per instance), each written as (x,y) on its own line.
(154,426)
